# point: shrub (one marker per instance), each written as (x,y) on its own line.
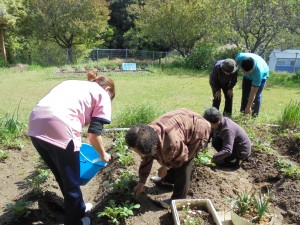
(201,57)
(133,115)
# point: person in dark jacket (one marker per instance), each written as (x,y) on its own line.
(173,140)
(223,77)
(228,138)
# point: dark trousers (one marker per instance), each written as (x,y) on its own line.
(228,103)
(246,89)
(180,177)
(64,164)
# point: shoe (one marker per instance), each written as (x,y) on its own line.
(157,180)
(86,220)
(166,204)
(88,207)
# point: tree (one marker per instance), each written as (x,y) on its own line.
(176,23)
(69,22)
(255,25)
(10,13)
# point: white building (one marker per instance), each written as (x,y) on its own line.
(287,60)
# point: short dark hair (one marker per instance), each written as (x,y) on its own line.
(212,115)
(247,64)
(142,137)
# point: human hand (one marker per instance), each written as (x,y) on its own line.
(217,95)
(106,157)
(139,188)
(162,171)
(230,93)
(247,110)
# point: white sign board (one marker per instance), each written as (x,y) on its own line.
(129,66)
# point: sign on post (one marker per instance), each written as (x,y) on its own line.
(129,66)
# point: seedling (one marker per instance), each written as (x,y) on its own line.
(118,213)
(242,203)
(261,204)
(122,184)
(36,181)
(20,207)
(3,155)
(203,158)
(292,171)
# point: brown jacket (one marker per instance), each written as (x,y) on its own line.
(182,133)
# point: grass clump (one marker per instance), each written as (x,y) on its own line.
(10,129)
(132,115)
(291,116)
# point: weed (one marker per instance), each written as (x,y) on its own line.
(131,115)
(292,171)
(20,207)
(3,155)
(118,213)
(10,129)
(35,182)
(291,116)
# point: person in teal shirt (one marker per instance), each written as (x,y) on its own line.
(256,73)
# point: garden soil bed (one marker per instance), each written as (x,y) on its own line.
(218,185)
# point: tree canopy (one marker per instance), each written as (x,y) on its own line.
(68,22)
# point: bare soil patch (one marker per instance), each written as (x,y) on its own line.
(219,185)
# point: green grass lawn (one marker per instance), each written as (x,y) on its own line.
(163,90)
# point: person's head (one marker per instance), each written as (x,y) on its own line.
(92,75)
(247,65)
(213,116)
(142,139)
(107,84)
(229,66)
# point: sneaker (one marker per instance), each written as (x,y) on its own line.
(86,220)
(166,204)
(157,180)
(88,207)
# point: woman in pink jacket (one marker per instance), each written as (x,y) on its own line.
(55,127)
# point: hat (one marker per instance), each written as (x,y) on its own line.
(229,66)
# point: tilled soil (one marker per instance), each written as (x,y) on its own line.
(218,185)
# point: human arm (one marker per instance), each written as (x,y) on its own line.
(214,82)
(251,99)
(227,138)
(97,142)
(144,171)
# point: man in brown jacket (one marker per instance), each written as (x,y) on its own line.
(173,140)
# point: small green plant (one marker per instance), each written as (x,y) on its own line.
(141,114)
(10,129)
(118,213)
(262,147)
(41,177)
(125,157)
(261,203)
(254,207)
(3,155)
(203,158)
(242,203)
(291,116)
(188,216)
(20,207)
(122,184)
(292,171)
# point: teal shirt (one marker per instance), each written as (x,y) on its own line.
(260,71)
